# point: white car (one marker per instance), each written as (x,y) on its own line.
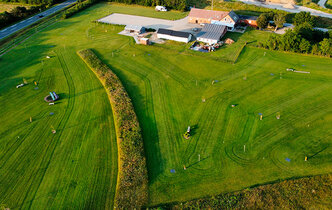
(161,9)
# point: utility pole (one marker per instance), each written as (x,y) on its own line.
(212,5)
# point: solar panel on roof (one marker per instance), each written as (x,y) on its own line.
(173,33)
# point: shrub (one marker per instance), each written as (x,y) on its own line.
(132,184)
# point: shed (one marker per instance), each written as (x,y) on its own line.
(144,41)
(211,33)
(136,29)
(178,36)
(249,20)
(229,41)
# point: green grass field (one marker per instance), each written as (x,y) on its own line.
(77,165)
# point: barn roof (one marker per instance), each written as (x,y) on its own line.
(207,14)
(173,33)
(212,31)
(134,27)
(212,14)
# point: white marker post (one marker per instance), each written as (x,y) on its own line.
(244,148)
(199,157)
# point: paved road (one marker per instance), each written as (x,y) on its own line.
(322,3)
(24,23)
(296,9)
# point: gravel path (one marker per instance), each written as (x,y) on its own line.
(155,23)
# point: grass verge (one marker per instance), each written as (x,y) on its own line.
(132,185)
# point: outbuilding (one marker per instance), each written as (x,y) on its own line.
(144,41)
(178,36)
(202,16)
(211,33)
(135,29)
(249,20)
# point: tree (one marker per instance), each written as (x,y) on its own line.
(315,49)
(304,17)
(273,42)
(262,21)
(326,46)
(290,41)
(304,46)
(279,20)
(305,30)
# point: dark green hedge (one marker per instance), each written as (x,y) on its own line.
(132,185)
(77,8)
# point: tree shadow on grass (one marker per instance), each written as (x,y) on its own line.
(195,163)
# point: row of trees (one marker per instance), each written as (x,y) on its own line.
(78,7)
(33,2)
(302,38)
(132,186)
(172,4)
(18,13)
(278,19)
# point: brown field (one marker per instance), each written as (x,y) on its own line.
(7,7)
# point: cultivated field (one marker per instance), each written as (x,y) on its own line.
(77,165)
(8,7)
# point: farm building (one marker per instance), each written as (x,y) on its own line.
(211,33)
(249,20)
(178,36)
(199,16)
(134,29)
(144,41)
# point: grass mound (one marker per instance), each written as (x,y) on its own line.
(132,186)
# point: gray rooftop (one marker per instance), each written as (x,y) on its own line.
(133,27)
(212,31)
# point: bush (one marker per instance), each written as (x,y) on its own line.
(132,185)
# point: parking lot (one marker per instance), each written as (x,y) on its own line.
(155,23)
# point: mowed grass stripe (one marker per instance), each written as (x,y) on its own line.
(165,108)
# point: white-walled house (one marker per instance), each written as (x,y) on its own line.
(178,36)
(211,33)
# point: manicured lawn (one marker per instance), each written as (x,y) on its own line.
(77,165)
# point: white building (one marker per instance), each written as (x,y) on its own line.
(178,36)
(134,29)
(211,33)
(230,20)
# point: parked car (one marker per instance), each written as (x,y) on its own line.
(161,9)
